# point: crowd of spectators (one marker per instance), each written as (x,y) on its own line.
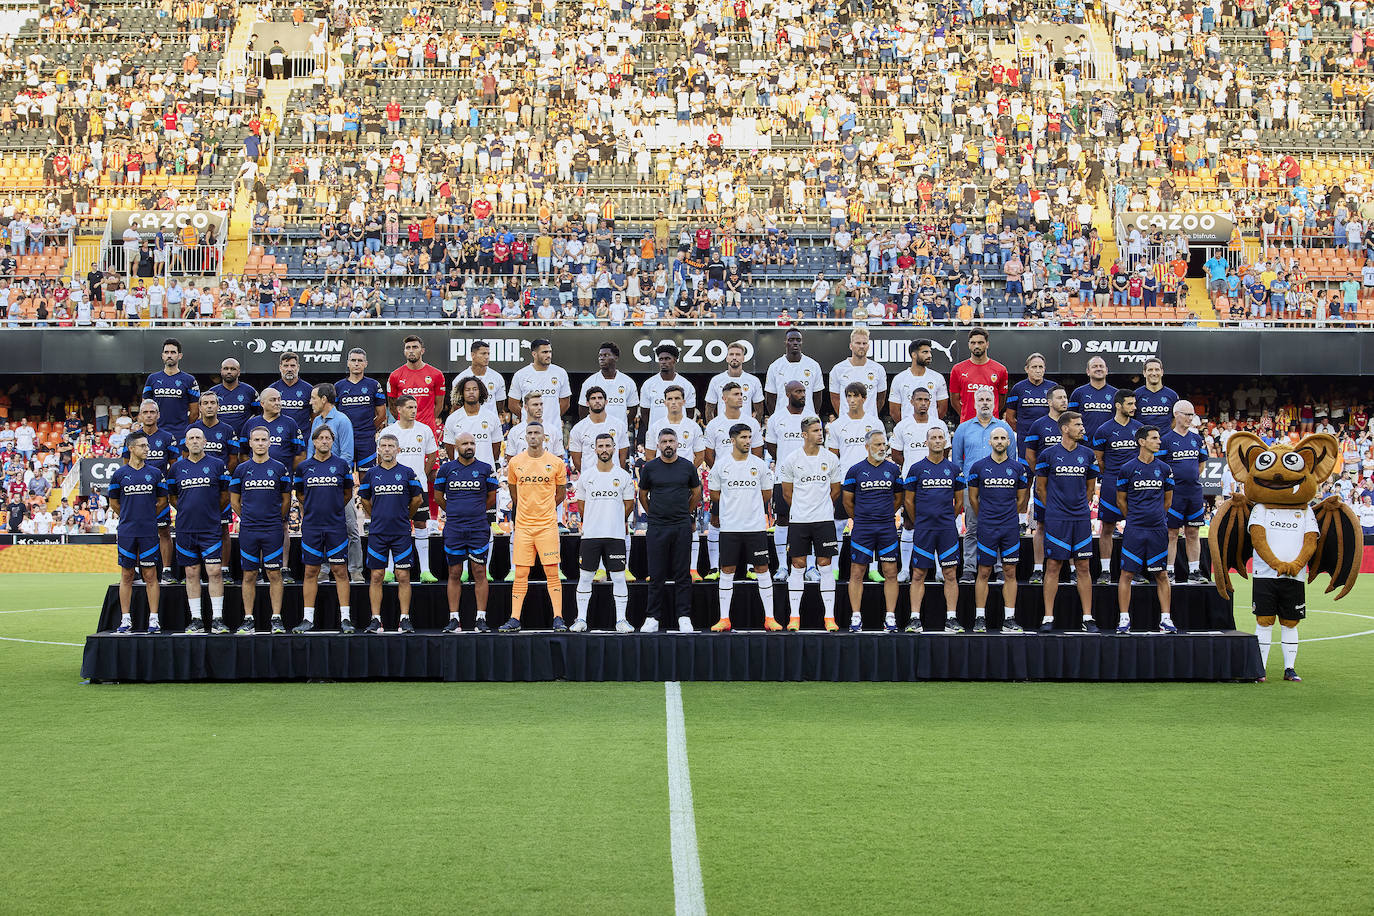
(887,162)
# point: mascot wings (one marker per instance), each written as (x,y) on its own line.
(1285,476)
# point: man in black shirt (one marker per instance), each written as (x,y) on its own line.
(670,492)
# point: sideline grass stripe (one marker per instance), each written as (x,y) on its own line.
(688,891)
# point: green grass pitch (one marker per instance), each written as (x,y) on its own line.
(809,798)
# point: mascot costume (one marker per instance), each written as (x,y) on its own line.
(1269,521)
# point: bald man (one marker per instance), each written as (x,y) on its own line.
(1184,451)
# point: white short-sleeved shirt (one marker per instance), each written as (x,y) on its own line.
(848,437)
(741,485)
(909,438)
(1285,530)
(691,439)
(805,370)
(603,495)
(582,439)
(485,427)
(810,477)
(903,383)
(651,396)
(552,382)
(783,430)
(871,374)
(553,439)
(496,385)
(718,433)
(753,388)
(417,443)
(621,394)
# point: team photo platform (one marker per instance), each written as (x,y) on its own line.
(1209,649)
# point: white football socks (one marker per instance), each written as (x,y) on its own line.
(584,592)
(193,605)
(765,582)
(309,615)
(827,584)
(217,606)
(620,591)
(727,594)
(1288,640)
(713,548)
(422,552)
(1265,635)
(796,583)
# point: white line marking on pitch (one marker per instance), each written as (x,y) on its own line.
(40,642)
(35,610)
(1343,635)
(688,891)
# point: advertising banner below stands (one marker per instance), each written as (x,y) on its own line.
(1200,228)
(323,351)
(29,540)
(94,473)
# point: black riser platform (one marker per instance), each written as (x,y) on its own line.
(669,656)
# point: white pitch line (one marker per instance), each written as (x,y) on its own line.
(35,610)
(688,892)
(40,642)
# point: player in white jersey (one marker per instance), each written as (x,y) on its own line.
(906,446)
(691,440)
(809,478)
(582,439)
(741,489)
(794,365)
(847,436)
(919,375)
(417,450)
(652,407)
(541,376)
(734,372)
(622,397)
(516,443)
(859,368)
(475,416)
(607,493)
(480,354)
(719,442)
(782,435)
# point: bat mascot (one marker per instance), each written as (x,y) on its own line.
(1270,521)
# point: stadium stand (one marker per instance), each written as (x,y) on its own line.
(877,165)
(890,164)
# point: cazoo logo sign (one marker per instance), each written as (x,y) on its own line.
(1128,352)
(693,350)
(174,220)
(1199,227)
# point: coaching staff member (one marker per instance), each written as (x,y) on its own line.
(669,491)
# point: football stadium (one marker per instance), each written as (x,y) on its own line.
(442,440)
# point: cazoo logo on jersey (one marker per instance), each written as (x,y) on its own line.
(1127,351)
(317,352)
(694,350)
